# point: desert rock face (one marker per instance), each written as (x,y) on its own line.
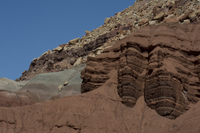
(115,28)
(160,63)
(142,75)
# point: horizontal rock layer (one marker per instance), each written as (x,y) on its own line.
(160,63)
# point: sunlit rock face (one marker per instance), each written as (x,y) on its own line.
(161,63)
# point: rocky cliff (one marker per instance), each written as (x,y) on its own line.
(142,75)
(160,63)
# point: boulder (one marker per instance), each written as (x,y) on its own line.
(73,41)
(159,16)
(78,62)
(185,16)
(187,21)
(65,83)
(143,21)
(57,49)
(45,53)
(87,32)
(153,22)
(34,59)
(60,87)
(170,20)
(49,52)
(106,20)
(194,15)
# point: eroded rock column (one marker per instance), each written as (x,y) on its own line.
(131,73)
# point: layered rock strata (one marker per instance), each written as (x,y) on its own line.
(142,13)
(160,63)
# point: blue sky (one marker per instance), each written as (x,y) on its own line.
(28,28)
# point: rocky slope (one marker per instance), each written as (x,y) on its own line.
(142,75)
(142,13)
(160,63)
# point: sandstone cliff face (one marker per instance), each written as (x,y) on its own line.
(160,63)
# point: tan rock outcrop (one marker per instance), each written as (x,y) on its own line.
(57,49)
(78,62)
(160,15)
(60,87)
(106,20)
(143,21)
(73,41)
(65,83)
(87,32)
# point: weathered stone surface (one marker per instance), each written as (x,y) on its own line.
(159,16)
(106,20)
(65,83)
(143,21)
(78,62)
(186,21)
(60,87)
(186,16)
(170,20)
(50,52)
(57,49)
(73,41)
(87,32)
(34,59)
(159,63)
(152,22)
(194,15)
(156,71)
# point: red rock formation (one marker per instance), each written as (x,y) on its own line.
(98,111)
(160,63)
(156,70)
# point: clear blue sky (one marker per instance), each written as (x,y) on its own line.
(28,28)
